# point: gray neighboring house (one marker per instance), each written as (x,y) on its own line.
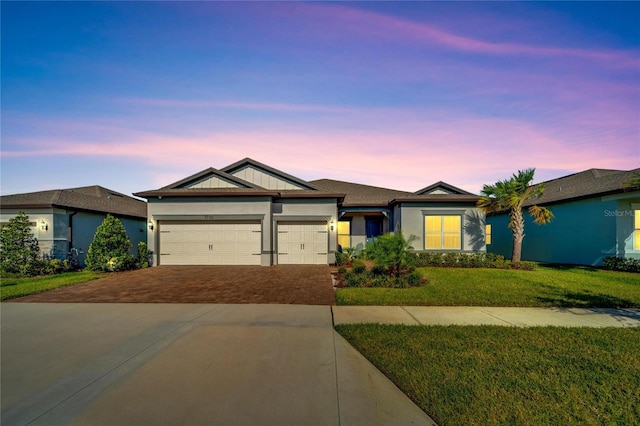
(66,219)
(443,218)
(596,216)
(249,213)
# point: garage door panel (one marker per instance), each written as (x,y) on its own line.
(210,243)
(303,243)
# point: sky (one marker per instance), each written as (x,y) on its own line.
(133,96)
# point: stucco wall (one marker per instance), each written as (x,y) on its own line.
(582,232)
(412,216)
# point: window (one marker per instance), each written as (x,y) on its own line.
(443,232)
(636,230)
(344,233)
(487,234)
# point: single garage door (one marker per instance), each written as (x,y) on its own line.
(302,243)
(198,243)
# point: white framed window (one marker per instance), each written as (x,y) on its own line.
(344,233)
(443,232)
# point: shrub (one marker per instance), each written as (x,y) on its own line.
(450,259)
(143,255)
(109,250)
(623,264)
(19,250)
(358,266)
(460,260)
(341,258)
(522,266)
(393,252)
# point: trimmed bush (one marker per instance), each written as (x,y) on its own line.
(461,260)
(143,255)
(623,264)
(109,250)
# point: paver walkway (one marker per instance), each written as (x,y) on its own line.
(280,284)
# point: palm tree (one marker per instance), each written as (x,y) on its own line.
(510,195)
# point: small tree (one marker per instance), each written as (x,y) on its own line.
(19,250)
(393,252)
(509,196)
(109,250)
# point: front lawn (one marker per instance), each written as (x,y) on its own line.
(17,287)
(491,375)
(546,286)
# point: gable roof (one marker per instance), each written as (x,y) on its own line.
(87,198)
(247,162)
(242,187)
(586,184)
(206,174)
(444,187)
(360,195)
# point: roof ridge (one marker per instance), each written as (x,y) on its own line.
(361,184)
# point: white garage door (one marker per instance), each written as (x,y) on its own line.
(302,243)
(210,243)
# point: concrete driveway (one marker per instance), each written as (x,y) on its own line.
(178,364)
(283,284)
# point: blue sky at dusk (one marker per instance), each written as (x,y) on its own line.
(136,95)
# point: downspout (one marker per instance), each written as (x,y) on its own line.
(70,237)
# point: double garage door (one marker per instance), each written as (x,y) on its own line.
(210,243)
(196,243)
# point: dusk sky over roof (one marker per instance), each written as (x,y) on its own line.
(136,95)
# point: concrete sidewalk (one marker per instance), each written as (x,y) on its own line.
(170,364)
(453,315)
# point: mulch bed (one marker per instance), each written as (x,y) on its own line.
(286,284)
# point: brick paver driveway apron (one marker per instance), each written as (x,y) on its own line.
(286,284)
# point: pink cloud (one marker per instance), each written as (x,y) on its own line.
(352,21)
(463,151)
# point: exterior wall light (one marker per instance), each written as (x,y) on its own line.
(333,224)
(150,226)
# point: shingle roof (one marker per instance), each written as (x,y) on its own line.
(361,195)
(586,184)
(247,189)
(88,198)
(442,185)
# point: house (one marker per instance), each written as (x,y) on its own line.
(596,215)
(66,220)
(249,213)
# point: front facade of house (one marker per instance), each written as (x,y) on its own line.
(249,213)
(595,216)
(65,221)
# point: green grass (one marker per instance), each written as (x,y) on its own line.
(17,287)
(491,375)
(546,286)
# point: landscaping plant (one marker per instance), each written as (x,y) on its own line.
(510,195)
(109,250)
(19,250)
(393,253)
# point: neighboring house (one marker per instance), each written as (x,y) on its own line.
(595,216)
(65,220)
(249,213)
(442,217)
